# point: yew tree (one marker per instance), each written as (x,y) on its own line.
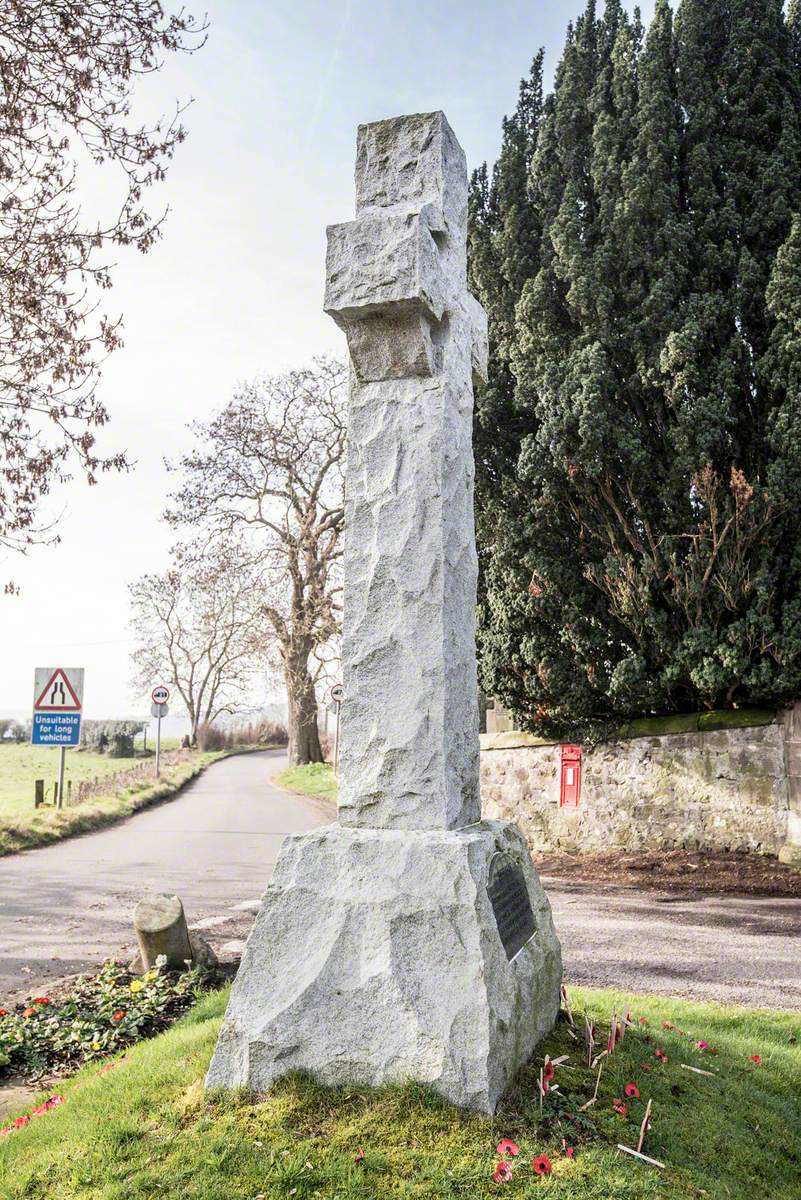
(637,248)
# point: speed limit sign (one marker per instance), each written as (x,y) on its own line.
(160,694)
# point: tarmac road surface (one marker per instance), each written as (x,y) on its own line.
(65,907)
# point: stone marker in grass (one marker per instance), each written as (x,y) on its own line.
(160,926)
(410,940)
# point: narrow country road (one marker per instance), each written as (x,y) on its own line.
(65,907)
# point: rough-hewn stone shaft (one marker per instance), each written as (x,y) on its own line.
(397,285)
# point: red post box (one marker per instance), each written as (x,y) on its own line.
(570,790)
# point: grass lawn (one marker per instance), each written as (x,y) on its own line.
(145,1127)
(315,779)
(22,826)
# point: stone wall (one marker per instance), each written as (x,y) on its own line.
(724,789)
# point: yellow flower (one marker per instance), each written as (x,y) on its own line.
(95,1045)
(137,985)
(151,975)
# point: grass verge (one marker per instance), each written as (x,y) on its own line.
(315,779)
(142,1126)
(40,827)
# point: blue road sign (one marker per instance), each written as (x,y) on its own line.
(56,729)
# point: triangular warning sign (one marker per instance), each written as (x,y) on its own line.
(57,695)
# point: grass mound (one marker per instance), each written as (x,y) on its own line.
(142,1126)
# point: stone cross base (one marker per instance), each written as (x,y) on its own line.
(385,955)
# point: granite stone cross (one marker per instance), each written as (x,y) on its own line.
(410,939)
(397,285)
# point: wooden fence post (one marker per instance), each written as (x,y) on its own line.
(38,793)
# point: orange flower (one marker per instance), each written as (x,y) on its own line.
(29,1012)
(542,1165)
(41,1000)
(3,1012)
(118,1016)
(632,1091)
(507,1146)
(503,1173)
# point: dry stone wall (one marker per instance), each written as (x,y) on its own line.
(725,790)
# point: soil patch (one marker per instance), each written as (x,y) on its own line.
(680,872)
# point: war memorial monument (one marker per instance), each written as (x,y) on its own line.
(410,939)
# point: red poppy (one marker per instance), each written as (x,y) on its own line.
(660,1054)
(756,1058)
(503,1173)
(29,1012)
(3,1012)
(5,1132)
(548,1071)
(117,1016)
(632,1091)
(41,1000)
(620,1107)
(507,1146)
(23,1120)
(542,1165)
(568,1151)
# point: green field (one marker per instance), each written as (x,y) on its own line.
(144,1127)
(22,826)
(21,764)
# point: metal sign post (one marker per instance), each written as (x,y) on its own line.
(337,695)
(160,695)
(57,709)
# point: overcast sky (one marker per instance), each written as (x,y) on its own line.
(235,285)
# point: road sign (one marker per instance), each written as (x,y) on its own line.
(159,710)
(337,693)
(160,694)
(58,689)
(57,706)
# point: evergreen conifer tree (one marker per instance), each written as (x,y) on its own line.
(637,554)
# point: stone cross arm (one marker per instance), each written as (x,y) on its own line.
(396,276)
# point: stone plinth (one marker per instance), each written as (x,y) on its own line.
(376,959)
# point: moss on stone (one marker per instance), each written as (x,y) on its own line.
(705,722)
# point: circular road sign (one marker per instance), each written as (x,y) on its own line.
(159,710)
(160,694)
(337,693)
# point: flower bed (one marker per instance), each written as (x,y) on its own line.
(101,1014)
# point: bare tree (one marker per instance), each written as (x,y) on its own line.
(67,73)
(271,464)
(199,627)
